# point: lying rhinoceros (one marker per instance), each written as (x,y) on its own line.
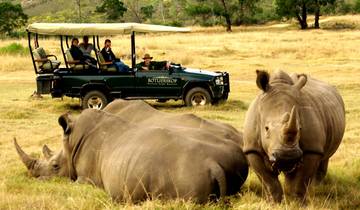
(135,152)
(293,126)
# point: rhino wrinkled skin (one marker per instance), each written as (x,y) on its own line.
(293,126)
(135,152)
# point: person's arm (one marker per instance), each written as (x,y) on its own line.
(161,65)
(113,56)
(105,55)
(140,66)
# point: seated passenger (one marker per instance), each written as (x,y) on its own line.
(86,47)
(109,56)
(147,64)
(77,54)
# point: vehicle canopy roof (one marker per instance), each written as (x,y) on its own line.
(98,29)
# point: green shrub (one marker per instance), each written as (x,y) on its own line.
(14,49)
(357,6)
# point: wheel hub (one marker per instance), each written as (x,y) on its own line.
(95,103)
(198,99)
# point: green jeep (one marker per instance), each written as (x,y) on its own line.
(97,86)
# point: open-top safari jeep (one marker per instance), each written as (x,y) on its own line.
(96,86)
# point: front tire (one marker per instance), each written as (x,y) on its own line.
(197,97)
(94,100)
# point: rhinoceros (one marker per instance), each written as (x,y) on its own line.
(293,126)
(135,152)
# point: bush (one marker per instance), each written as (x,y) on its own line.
(357,6)
(14,49)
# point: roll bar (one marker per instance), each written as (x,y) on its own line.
(31,53)
(95,43)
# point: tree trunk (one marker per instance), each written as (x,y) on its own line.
(302,18)
(227,17)
(317,15)
(78,2)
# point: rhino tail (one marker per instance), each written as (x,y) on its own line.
(219,178)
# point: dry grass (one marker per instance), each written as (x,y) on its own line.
(329,55)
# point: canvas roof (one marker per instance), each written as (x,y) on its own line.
(101,29)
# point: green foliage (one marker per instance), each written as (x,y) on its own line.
(300,8)
(114,9)
(14,49)
(357,6)
(11,17)
(211,12)
(147,11)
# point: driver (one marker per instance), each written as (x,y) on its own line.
(148,64)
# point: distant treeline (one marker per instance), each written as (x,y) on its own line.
(183,12)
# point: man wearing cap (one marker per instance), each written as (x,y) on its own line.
(148,64)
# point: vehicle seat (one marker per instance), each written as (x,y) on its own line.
(75,64)
(105,66)
(44,64)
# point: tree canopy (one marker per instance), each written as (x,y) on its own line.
(114,9)
(12,17)
(299,9)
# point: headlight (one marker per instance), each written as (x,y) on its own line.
(219,81)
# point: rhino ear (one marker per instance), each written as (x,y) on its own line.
(262,80)
(66,122)
(48,153)
(301,81)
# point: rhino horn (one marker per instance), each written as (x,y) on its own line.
(48,153)
(292,123)
(25,158)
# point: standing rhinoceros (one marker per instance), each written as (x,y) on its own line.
(135,152)
(293,126)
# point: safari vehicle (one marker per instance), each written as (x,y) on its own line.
(98,86)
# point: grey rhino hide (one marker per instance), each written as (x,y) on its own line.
(294,125)
(135,152)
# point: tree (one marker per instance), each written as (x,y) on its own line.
(232,11)
(293,8)
(209,8)
(226,15)
(246,10)
(12,16)
(114,9)
(317,5)
(300,9)
(78,3)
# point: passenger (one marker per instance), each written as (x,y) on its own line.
(148,64)
(109,56)
(77,54)
(86,47)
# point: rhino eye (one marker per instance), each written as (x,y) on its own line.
(55,166)
(267,128)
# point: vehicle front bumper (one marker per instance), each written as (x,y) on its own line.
(222,91)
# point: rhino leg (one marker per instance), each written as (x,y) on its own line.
(299,182)
(321,172)
(269,179)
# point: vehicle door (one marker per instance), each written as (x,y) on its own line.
(122,85)
(158,83)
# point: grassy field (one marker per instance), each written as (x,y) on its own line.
(329,55)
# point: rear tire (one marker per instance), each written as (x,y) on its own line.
(197,97)
(94,100)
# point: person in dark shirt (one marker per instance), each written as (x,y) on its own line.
(148,64)
(109,56)
(77,54)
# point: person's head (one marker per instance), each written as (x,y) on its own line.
(147,59)
(107,43)
(85,39)
(75,41)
